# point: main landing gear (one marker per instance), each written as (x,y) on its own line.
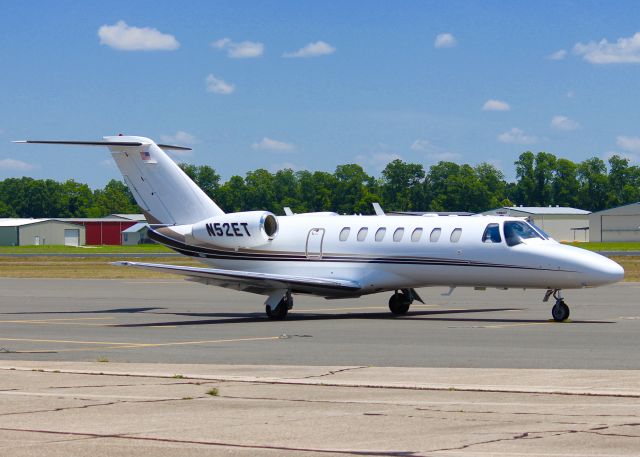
(560,310)
(400,301)
(279,311)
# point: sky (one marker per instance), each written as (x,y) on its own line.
(315,84)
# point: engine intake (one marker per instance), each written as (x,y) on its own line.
(237,230)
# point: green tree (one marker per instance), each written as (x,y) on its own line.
(287,190)
(493,180)
(594,184)
(204,176)
(76,199)
(401,186)
(565,183)
(355,190)
(114,198)
(623,182)
(233,195)
(317,190)
(261,191)
(524,190)
(545,165)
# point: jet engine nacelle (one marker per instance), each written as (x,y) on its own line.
(237,230)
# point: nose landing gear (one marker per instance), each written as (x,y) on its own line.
(560,310)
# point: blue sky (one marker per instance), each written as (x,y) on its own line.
(310,85)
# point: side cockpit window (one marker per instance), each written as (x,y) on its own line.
(492,234)
(515,232)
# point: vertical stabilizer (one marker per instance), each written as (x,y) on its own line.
(163,191)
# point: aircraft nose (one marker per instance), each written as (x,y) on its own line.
(606,271)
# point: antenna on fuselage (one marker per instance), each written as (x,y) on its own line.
(378,209)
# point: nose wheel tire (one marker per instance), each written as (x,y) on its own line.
(560,311)
(399,303)
(279,313)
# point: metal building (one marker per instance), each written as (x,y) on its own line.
(102,231)
(39,232)
(561,223)
(136,234)
(616,224)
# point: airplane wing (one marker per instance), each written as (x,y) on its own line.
(260,283)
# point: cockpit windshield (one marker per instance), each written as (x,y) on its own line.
(515,232)
(544,234)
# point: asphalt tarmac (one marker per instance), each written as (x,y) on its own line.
(175,321)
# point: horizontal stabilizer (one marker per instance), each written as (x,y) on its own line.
(102,143)
(83,143)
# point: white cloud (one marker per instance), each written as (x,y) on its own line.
(219,86)
(629,143)
(241,50)
(180,138)
(564,123)
(633,158)
(445,40)
(420,145)
(269,144)
(560,54)
(126,38)
(377,160)
(516,136)
(625,50)
(495,105)
(15,165)
(319,48)
(434,153)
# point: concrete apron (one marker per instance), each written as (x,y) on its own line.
(77,408)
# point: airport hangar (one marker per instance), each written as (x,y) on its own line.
(36,232)
(71,231)
(616,224)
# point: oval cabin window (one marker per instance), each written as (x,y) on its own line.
(455,235)
(344,233)
(380,233)
(435,235)
(362,233)
(398,234)
(416,235)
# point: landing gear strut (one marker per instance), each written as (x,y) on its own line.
(279,312)
(560,310)
(400,301)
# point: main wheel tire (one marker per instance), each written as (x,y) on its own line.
(280,311)
(560,311)
(399,303)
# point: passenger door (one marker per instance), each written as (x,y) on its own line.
(314,243)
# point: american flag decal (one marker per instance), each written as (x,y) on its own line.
(145,155)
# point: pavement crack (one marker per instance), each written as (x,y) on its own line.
(221,443)
(520,436)
(331,372)
(92,405)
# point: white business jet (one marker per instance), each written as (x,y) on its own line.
(336,256)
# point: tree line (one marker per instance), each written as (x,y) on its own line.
(542,179)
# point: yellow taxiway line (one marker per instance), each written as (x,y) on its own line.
(127,345)
(59,321)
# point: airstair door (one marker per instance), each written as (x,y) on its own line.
(314,243)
